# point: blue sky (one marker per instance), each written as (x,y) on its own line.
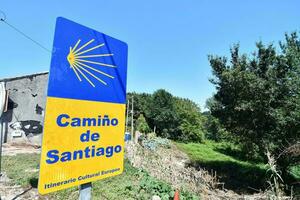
(168,40)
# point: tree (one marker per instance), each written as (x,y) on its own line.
(191,121)
(141,103)
(141,106)
(141,124)
(258,97)
(163,114)
(175,118)
(214,130)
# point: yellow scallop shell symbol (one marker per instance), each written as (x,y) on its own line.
(80,63)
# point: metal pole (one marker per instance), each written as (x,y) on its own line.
(85,191)
(127,112)
(132,117)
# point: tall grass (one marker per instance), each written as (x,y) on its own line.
(275,180)
(225,159)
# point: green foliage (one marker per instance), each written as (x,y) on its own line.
(161,189)
(131,184)
(214,151)
(295,171)
(141,103)
(214,130)
(163,114)
(141,124)
(191,121)
(141,106)
(172,117)
(258,97)
(237,174)
(150,185)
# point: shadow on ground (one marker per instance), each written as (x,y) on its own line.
(238,154)
(237,177)
(34,182)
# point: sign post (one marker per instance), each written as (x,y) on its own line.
(85,191)
(83,139)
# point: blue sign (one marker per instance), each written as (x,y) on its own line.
(87,64)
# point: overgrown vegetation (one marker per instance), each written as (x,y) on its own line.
(171,117)
(258,97)
(256,108)
(226,159)
(132,184)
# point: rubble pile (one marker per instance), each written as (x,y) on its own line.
(170,165)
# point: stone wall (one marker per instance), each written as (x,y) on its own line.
(23,121)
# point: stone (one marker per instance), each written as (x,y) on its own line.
(155,197)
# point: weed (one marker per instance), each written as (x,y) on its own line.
(274,180)
(134,183)
(22,168)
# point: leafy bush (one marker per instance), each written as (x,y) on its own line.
(162,189)
(151,185)
(191,125)
(141,124)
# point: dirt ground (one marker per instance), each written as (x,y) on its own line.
(9,191)
(13,149)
